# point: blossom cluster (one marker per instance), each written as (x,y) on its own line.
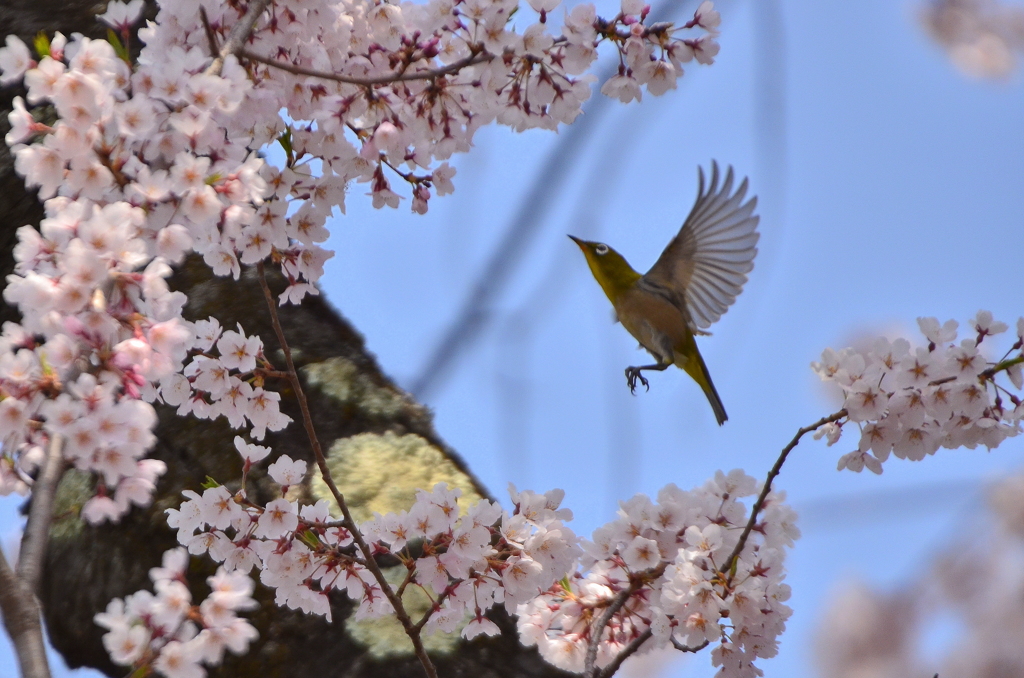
(104,417)
(909,402)
(101,333)
(670,561)
(165,632)
(369,88)
(227,382)
(97,333)
(669,565)
(466,560)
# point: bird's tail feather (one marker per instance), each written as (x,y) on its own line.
(699,371)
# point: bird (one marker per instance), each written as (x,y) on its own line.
(694,281)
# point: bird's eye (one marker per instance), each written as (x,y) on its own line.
(601,249)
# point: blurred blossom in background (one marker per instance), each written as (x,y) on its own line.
(960,616)
(984,38)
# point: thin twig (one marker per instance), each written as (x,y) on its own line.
(475,58)
(405,582)
(430,613)
(987,374)
(266,373)
(626,653)
(686,648)
(240,32)
(211,39)
(37,531)
(20,611)
(589,663)
(598,630)
(759,504)
(327,525)
(1002,365)
(411,629)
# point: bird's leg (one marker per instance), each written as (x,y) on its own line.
(634,373)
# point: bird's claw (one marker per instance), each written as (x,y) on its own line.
(632,375)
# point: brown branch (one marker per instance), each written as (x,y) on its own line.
(326,525)
(411,629)
(686,648)
(20,611)
(598,630)
(211,38)
(430,613)
(239,34)
(589,662)
(626,653)
(405,582)
(634,645)
(759,504)
(475,58)
(37,530)
(18,603)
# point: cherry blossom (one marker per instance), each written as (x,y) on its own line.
(669,569)
(122,16)
(15,59)
(911,402)
(165,632)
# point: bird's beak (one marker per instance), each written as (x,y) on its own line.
(576,240)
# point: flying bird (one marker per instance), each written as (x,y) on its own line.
(690,286)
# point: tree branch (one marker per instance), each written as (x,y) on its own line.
(475,58)
(686,648)
(20,611)
(589,663)
(636,644)
(411,629)
(598,630)
(240,32)
(626,653)
(776,469)
(18,603)
(37,531)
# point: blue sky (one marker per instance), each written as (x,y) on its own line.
(890,188)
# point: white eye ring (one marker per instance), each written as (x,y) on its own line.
(601,248)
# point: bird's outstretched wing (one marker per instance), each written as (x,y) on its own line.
(710,257)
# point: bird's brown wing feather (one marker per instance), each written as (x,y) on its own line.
(710,257)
